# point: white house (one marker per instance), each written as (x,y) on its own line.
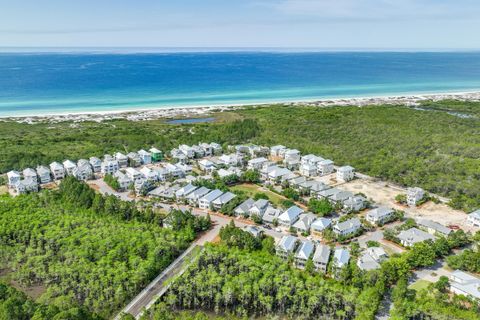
(225,198)
(303,253)
(413,235)
(174,171)
(206,165)
(304,222)
(414,195)
(290,216)
(83,171)
(122,159)
(271,214)
(259,207)
(256,163)
(321,257)
(286,246)
(123,180)
(308,170)
(379,215)
(465,284)
(347,227)
(187,150)
(292,154)
(341,257)
(474,218)
(145,156)
(355,203)
(96,164)
(109,166)
(207,200)
(371,258)
(133,174)
(277,151)
(207,149)
(13,178)
(30,174)
(134,159)
(311,159)
(57,170)
(319,225)
(325,167)
(69,166)
(345,173)
(149,174)
(44,174)
(244,208)
(230,160)
(185,191)
(433,227)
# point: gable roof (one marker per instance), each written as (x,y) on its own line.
(224,198)
(321,223)
(291,213)
(305,250)
(287,243)
(348,224)
(212,195)
(341,257)
(322,254)
(245,206)
(380,212)
(414,235)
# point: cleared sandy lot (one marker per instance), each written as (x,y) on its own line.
(384,193)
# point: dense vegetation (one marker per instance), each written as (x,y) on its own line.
(15,305)
(242,277)
(86,250)
(435,148)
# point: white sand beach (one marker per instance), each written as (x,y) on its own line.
(202,111)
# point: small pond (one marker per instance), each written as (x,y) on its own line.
(190,120)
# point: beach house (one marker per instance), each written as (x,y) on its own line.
(379,215)
(347,227)
(290,216)
(133,174)
(150,174)
(465,284)
(134,159)
(319,225)
(30,174)
(109,166)
(433,227)
(271,215)
(256,163)
(414,195)
(345,173)
(44,174)
(355,203)
(83,171)
(123,180)
(413,235)
(13,177)
(304,222)
(145,156)
(321,257)
(303,253)
(57,170)
(122,159)
(259,207)
(96,164)
(325,167)
(225,198)
(308,169)
(244,208)
(371,258)
(206,165)
(340,259)
(474,218)
(156,154)
(206,202)
(184,191)
(277,151)
(286,246)
(194,196)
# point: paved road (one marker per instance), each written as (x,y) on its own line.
(105,189)
(158,286)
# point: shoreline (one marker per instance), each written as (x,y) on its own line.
(142,114)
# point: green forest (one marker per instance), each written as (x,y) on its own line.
(436,147)
(84,249)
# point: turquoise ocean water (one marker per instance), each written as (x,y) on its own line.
(50,83)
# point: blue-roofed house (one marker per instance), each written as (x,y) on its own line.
(304,252)
(286,246)
(290,216)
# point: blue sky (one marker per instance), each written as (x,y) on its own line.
(370,24)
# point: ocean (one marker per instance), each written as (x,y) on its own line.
(52,83)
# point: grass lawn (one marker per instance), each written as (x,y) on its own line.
(252,189)
(419,285)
